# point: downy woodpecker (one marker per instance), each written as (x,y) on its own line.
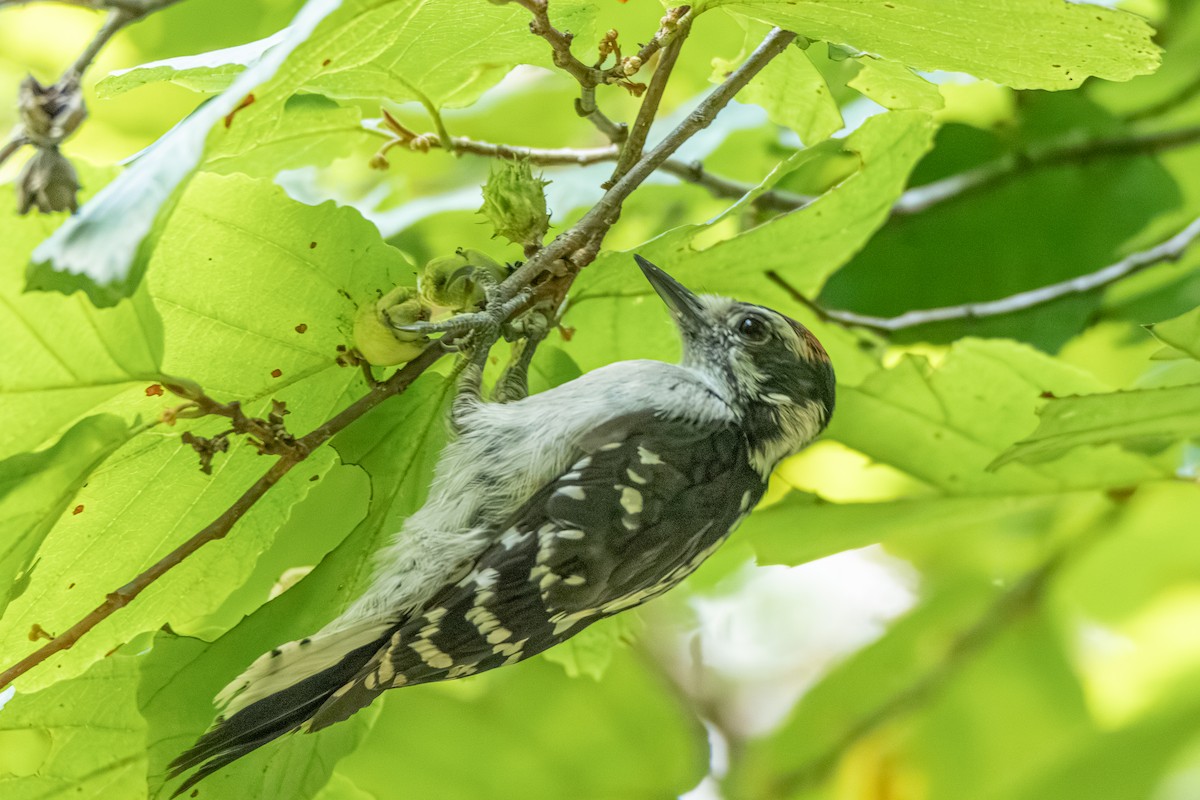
(550,512)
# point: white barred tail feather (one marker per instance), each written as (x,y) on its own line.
(279,693)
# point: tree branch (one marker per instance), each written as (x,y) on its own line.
(631,148)
(1170,250)
(580,244)
(221,526)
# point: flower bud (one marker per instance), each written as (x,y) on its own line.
(47,181)
(49,114)
(514,201)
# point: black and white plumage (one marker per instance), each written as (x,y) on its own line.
(549,513)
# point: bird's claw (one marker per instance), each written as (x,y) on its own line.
(473,329)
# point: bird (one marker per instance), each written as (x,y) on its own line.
(549,512)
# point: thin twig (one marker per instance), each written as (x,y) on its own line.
(117,19)
(922,198)
(586,107)
(222,525)
(720,186)
(914,201)
(631,149)
(1170,250)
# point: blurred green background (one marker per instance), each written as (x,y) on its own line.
(905,618)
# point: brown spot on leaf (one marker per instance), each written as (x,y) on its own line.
(38,632)
(71,585)
(1047,395)
(77,509)
(312,245)
(275,373)
(246,101)
(1121,493)
(154,390)
(302,327)
(566,332)
(315,478)
(327,62)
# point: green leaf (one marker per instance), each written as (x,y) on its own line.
(80,739)
(1181,333)
(591,651)
(401,50)
(397,445)
(832,228)
(792,91)
(213,71)
(532,732)
(69,360)
(311,131)
(851,696)
(894,86)
(1021,677)
(256,292)
(800,528)
(36,488)
(1026,44)
(99,249)
(1144,416)
(946,424)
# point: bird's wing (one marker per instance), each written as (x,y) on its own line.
(649,500)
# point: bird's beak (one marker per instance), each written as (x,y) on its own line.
(685,306)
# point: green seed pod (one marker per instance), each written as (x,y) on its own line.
(375,334)
(453,281)
(514,201)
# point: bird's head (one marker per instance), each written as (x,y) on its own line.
(769,368)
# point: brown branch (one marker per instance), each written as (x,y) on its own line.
(631,148)
(589,77)
(1170,250)
(560,44)
(222,525)
(580,244)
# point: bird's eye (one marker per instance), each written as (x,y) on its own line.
(753,329)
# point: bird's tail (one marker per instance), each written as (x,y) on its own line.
(279,693)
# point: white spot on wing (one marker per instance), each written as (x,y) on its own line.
(648,458)
(573,492)
(631,499)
